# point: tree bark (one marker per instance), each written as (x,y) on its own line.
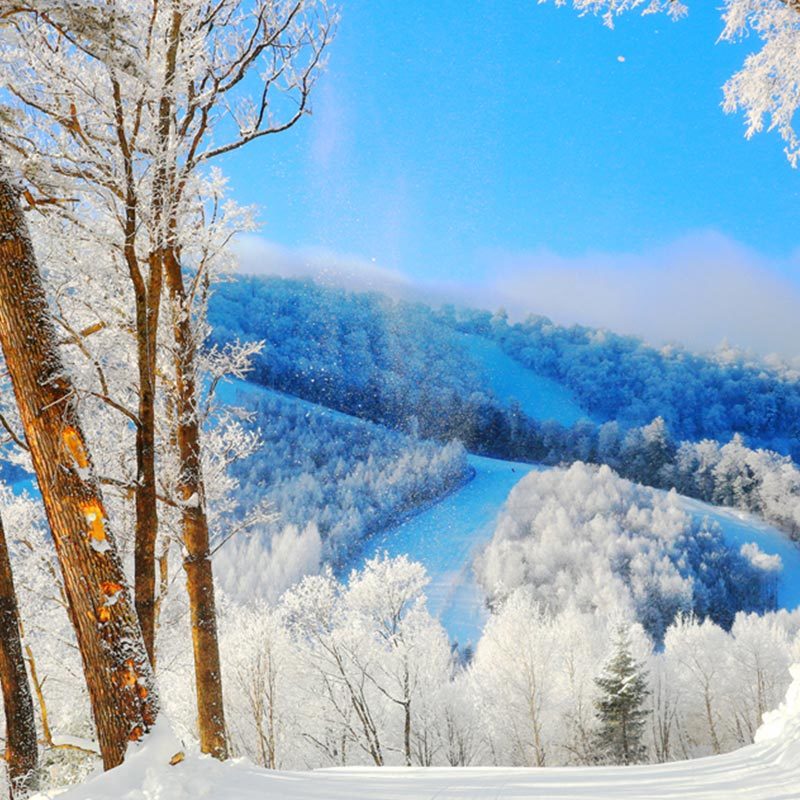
(147,313)
(118,673)
(194,522)
(147,299)
(22,754)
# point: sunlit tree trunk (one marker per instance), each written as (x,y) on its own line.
(21,749)
(147,301)
(117,670)
(194,522)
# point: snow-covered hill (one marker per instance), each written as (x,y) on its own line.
(538,396)
(767,770)
(446,537)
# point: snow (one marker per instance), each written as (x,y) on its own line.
(740,529)
(767,770)
(445,539)
(539,397)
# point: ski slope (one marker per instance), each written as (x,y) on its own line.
(446,537)
(739,527)
(767,770)
(539,397)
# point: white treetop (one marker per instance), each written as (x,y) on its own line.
(767,87)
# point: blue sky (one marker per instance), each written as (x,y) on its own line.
(451,138)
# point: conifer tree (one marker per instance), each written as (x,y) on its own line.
(620,711)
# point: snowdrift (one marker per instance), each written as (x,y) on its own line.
(766,770)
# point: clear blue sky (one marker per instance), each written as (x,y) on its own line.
(445,130)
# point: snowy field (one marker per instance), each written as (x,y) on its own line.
(768,770)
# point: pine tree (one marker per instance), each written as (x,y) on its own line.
(623,684)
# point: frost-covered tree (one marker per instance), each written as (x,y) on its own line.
(765,89)
(22,750)
(131,129)
(621,709)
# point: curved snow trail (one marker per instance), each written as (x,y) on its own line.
(445,539)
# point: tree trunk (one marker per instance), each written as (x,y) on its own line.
(147,313)
(194,522)
(21,749)
(118,673)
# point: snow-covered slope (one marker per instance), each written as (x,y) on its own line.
(538,396)
(740,528)
(445,539)
(767,770)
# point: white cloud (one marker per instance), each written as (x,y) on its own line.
(258,256)
(699,291)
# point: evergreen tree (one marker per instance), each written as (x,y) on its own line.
(623,684)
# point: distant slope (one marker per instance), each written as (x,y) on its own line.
(539,397)
(403,364)
(740,528)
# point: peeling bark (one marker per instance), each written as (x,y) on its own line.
(117,670)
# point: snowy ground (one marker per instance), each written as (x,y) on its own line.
(539,397)
(768,770)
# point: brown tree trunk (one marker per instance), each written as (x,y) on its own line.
(194,522)
(21,749)
(146,496)
(117,670)
(147,298)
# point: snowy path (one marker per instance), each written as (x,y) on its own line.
(445,539)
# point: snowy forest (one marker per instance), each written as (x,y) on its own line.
(268,536)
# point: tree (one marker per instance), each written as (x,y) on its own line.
(117,670)
(133,128)
(620,707)
(765,89)
(22,754)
